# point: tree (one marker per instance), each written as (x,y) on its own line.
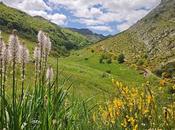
(121,58)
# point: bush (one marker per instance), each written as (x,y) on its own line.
(101,61)
(121,58)
(104,75)
(135,106)
(102,58)
(140,62)
(86,58)
(108,71)
(158,72)
(109,61)
(166,75)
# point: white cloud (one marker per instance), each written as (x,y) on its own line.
(91,13)
(89,22)
(123,27)
(58,19)
(33,5)
(37,8)
(101,28)
(27,4)
(87,12)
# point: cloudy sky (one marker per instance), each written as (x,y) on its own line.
(101,16)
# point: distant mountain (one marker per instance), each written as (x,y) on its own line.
(91,36)
(63,39)
(151,41)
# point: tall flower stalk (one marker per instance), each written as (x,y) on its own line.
(1,61)
(6,60)
(49,75)
(41,44)
(47,49)
(1,74)
(37,54)
(49,78)
(14,50)
(24,59)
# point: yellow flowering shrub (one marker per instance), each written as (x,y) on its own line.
(162,82)
(135,108)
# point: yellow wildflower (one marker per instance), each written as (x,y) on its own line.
(162,82)
(118,103)
(118,83)
(149,99)
(145,111)
(131,120)
(110,109)
(173,87)
(105,115)
(124,123)
(113,81)
(94,117)
(135,127)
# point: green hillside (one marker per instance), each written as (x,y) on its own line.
(91,36)
(104,86)
(63,39)
(85,74)
(91,78)
(81,66)
(150,41)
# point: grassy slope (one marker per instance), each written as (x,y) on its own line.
(150,40)
(29,26)
(93,37)
(86,76)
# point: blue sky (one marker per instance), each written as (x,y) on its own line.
(101,16)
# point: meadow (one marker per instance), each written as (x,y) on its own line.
(41,91)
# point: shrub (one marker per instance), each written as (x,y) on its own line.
(136,108)
(102,58)
(86,58)
(101,61)
(140,62)
(108,71)
(166,75)
(145,56)
(109,61)
(158,72)
(104,75)
(171,90)
(121,58)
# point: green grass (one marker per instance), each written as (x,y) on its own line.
(86,74)
(73,109)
